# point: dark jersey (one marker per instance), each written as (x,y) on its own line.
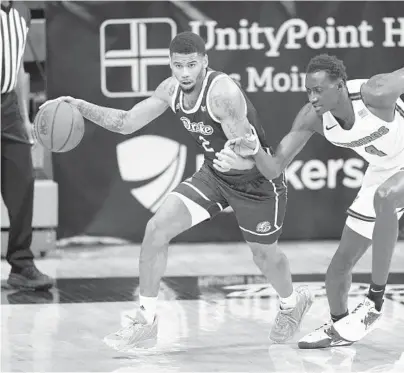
(207,131)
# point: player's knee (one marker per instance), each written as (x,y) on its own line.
(157,232)
(385,198)
(268,253)
(257,252)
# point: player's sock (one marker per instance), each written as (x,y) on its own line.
(290,301)
(335,318)
(148,307)
(376,294)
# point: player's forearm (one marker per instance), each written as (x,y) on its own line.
(267,164)
(273,165)
(114,120)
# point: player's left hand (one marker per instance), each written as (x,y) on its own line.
(227,160)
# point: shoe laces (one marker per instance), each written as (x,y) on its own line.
(134,324)
(284,318)
(365,306)
(329,331)
(325,326)
(358,307)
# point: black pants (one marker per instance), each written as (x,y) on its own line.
(17,182)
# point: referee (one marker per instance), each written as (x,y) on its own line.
(17,173)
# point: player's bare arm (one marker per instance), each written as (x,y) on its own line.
(126,122)
(228,105)
(383,90)
(22,91)
(305,124)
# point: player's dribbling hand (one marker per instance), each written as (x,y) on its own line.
(227,160)
(61,98)
(244,146)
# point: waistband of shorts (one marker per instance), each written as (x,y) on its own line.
(235,179)
(239,180)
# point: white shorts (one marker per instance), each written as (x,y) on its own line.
(361,213)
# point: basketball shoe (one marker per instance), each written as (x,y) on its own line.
(323,337)
(138,334)
(288,321)
(360,322)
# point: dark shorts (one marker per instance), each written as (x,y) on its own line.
(259,205)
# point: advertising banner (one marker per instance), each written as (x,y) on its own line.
(116,53)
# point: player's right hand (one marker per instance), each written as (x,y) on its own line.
(61,98)
(227,160)
(244,146)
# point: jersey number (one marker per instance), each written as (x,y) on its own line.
(205,144)
(371,149)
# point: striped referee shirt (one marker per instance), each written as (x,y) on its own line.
(15,20)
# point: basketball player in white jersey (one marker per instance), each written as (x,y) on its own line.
(368,117)
(213,109)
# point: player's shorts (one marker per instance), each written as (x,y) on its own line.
(259,205)
(361,213)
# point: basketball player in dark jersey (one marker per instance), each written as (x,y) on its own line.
(213,109)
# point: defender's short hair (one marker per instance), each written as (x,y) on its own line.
(330,64)
(187,42)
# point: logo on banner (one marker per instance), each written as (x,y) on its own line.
(138,58)
(155,163)
(316,174)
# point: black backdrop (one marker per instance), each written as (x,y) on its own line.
(111,190)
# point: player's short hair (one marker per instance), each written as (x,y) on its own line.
(187,42)
(334,67)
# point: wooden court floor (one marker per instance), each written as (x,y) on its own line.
(215,314)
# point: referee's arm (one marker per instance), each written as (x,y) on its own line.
(22,91)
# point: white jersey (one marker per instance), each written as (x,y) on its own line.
(379,142)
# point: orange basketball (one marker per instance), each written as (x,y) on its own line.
(59,126)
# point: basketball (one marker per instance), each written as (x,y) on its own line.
(59,126)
